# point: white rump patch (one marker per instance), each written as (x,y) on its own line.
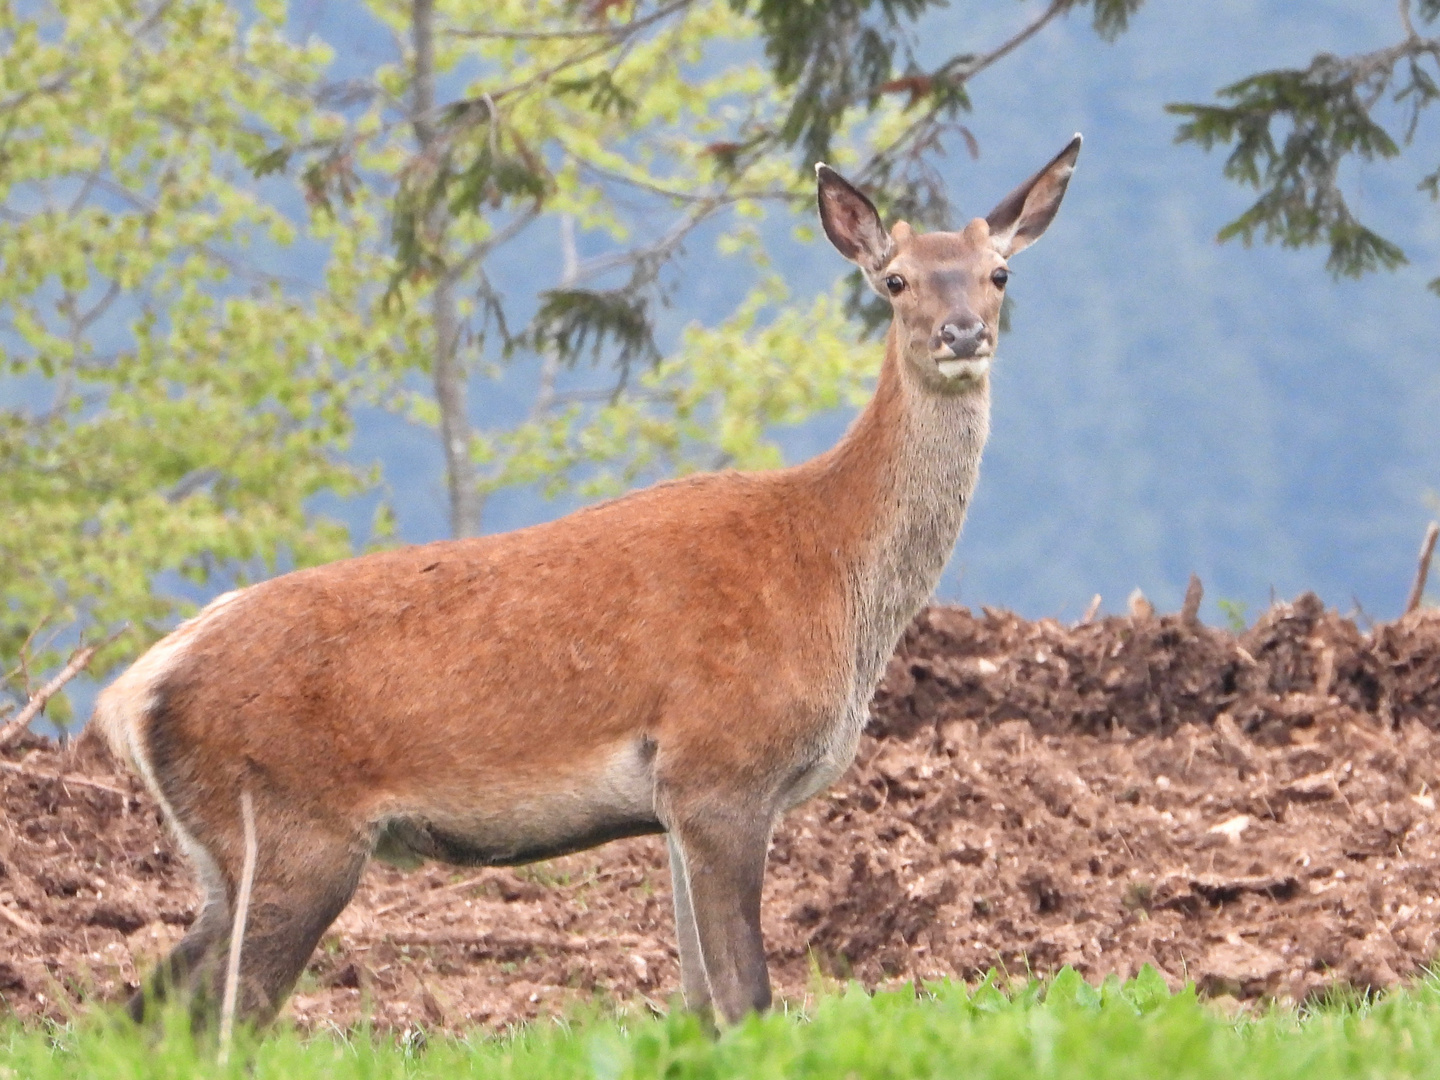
(121,709)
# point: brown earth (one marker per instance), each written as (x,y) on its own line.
(1255,813)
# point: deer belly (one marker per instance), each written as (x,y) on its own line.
(506,823)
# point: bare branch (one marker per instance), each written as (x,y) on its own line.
(545,75)
(1190,612)
(758,195)
(443,892)
(652,254)
(449,373)
(64,778)
(569,274)
(624,30)
(1406,20)
(151,208)
(78,661)
(1422,571)
(960,76)
(1056,8)
(15,100)
(88,184)
(84,321)
(610,396)
(498,239)
(18,921)
(22,668)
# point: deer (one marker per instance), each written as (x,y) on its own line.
(693,659)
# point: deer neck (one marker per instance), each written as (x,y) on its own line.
(899,483)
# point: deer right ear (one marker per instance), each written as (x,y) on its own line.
(1028,210)
(852,222)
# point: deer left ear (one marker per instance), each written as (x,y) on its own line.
(852,222)
(1028,210)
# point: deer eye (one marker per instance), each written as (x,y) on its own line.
(999,277)
(896,284)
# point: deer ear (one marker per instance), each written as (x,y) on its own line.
(851,221)
(1028,210)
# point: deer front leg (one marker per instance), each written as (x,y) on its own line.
(721,869)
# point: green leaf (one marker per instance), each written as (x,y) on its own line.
(273,161)
(571,320)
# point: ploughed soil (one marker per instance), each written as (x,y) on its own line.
(1256,813)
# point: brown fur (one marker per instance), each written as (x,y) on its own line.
(693,658)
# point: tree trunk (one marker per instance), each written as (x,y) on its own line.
(450,374)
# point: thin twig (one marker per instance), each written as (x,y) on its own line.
(499,238)
(1194,593)
(732,194)
(151,208)
(22,668)
(657,252)
(961,76)
(1091,611)
(539,78)
(78,660)
(550,364)
(18,921)
(237,930)
(1056,9)
(64,778)
(614,32)
(579,397)
(1406,20)
(436,893)
(1427,548)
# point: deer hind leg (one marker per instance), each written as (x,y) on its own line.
(694,984)
(189,966)
(301,885)
(722,857)
(306,872)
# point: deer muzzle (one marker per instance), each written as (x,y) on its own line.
(961,348)
(960,337)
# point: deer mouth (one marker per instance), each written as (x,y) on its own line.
(973,368)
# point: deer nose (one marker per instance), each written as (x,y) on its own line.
(961,335)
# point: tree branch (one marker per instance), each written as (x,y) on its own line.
(1004,49)
(615,32)
(78,662)
(657,252)
(449,372)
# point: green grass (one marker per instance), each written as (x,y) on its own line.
(1065,1028)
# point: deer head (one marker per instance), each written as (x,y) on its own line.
(945,288)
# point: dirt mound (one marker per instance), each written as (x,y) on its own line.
(1150,675)
(1254,812)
